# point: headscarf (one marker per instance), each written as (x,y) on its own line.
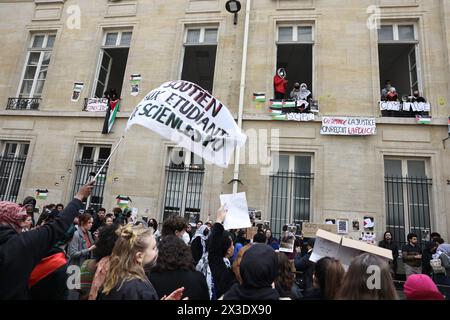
(281,73)
(258,270)
(304,92)
(259,266)
(444,248)
(12,214)
(200,233)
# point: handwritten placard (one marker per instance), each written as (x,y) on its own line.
(348,126)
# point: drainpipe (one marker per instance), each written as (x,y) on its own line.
(237,152)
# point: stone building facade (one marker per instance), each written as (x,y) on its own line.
(399,176)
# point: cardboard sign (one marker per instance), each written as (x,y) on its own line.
(326,245)
(309,230)
(331,245)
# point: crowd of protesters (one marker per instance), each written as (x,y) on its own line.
(66,255)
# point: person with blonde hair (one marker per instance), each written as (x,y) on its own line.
(126,280)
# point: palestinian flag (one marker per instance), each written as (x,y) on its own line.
(276,104)
(101,178)
(423,120)
(259,97)
(111,114)
(123,201)
(289,104)
(42,194)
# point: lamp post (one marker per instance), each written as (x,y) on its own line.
(233,6)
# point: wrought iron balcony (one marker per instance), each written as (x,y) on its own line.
(23,104)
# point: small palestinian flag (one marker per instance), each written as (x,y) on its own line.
(42,194)
(101,177)
(289,104)
(423,120)
(123,201)
(259,97)
(276,104)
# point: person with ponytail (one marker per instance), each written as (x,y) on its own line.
(126,280)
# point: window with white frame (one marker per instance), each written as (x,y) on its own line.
(12,162)
(398,52)
(290,190)
(407,198)
(112,62)
(200,48)
(89,162)
(295,53)
(184,185)
(36,66)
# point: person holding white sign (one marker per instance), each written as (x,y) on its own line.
(220,250)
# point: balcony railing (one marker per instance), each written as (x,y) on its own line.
(23,104)
(404,109)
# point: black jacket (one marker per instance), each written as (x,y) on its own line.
(306,266)
(390,246)
(135,289)
(313,294)
(53,286)
(239,292)
(21,252)
(197,250)
(194,283)
(223,277)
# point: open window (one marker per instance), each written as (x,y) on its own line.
(112,62)
(295,54)
(398,52)
(200,48)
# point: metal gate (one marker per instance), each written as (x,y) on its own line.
(84,171)
(407,201)
(183,191)
(290,199)
(11,170)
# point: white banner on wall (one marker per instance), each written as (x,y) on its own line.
(348,126)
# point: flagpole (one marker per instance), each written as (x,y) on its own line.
(88,202)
